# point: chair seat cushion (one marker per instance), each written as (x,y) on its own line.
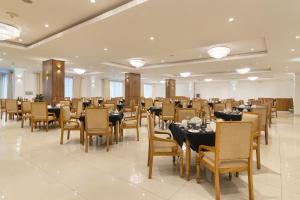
(164,147)
(42,118)
(97,131)
(72,125)
(209,158)
(129,123)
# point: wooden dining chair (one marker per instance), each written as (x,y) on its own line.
(75,102)
(39,113)
(131,123)
(254,118)
(78,110)
(161,147)
(158,103)
(97,124)
(3,107)
(197,104)
(184,103)
(26,111)
(263,112)
(130,108)
(65,103)
(148,103)
(68,124)
(111,106)
(12,109)
(184,113)
(232,153)
(168,113)
(207,111)
(219,107)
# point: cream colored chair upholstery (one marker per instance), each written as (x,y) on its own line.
(64,103)
(232,153)
(148,103)
(78,110)
(161,147)
(97,123)
(66,123)
(158,103)
(75,102)
(206,110)
(26,110)
(111,106)
(263,112)
(39,113)
(254,118)
(131,123)
(185,113)
(12,108)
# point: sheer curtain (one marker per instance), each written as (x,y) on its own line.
(148,91)
(116,89)
(4,85)
(69,87)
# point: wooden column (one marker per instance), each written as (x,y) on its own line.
(170,88)
(53,81)
(132,87)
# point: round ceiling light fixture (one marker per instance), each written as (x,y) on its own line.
(252,78)
(8,32)
(185,74)
(218,52)
(136,62)
(243,70)
(208,80)
(79,71)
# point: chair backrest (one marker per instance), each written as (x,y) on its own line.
(26,107)
(75,102)
(256,102)
(206,110)
(215,99)
(158,103)
(11,105)
(79,108)
(3,103)
(168,109)
(262,111)
(65,114)
(233,140)
(254,118)
(148,103)
(137,112)
(64,103)
(184,103)
(184,113)
(197,105)
(39,110)
(219,107)
(228,105)
(96,119)
(110,106)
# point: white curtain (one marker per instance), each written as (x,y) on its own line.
(4,85)
(69,87)
(116,89)
(148,91)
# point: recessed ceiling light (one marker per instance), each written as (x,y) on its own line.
(252,49)
(105,49)
(79,71)
(243,70)
(151,38)
(162,81)
(1,59)
(230,19)
(218,52)
(46,25)
(185,74)
(93,1)
(252,78)
(208,80)
(135,62)
(297,37)
(293,50)
(8,32)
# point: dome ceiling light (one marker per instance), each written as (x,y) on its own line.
(243,70)
(79,71)
(135,62)
(218,52)
(185,74)
(8,32)
(252,78)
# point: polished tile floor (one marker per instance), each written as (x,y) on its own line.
(34,166)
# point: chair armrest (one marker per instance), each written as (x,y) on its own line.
(164,140)
(130,118)
(70,121)
(163,133)
(207,148)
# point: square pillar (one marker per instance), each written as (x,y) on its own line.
(170,88)
(132,87)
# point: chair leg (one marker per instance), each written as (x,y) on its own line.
(148,154)
(266,135)
(62,136)
(22,123)
(137,134)
(86,143)
(250,182)
(32,123)
(217,184)
(258,154)
(150,165)
(181,165)
(6,116)
(47,126)
(107,143)
(68,137)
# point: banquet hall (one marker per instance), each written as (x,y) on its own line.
(149,99)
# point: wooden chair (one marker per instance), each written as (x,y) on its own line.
(219,107)
(184,113)
(263,112)
(39,113)
(184,103)
(161,147)
(78,110)
(3,106)
(75,102)
(158,103)
(131,123)
(64,103)
(12,108)
(26,109)
(207,112)
(148,103)
(274,109)
(131,107)
(96,124)
(66,123)
(111,106)
(232,153)
(197,104)
(254,118)
(168,112)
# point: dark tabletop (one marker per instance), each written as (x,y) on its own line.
(113,118)
(120,106)
(231,116)
(155,109)
(86,103)
(196,139)
(54,110)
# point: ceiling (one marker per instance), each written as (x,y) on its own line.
(102,37)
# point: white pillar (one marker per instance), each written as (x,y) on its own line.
(297,94)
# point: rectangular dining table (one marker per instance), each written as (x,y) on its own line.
(192,141)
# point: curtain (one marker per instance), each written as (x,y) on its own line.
(69,87)
(9,86)
(116,89)
(148,91)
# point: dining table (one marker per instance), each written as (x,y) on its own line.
(115,118)
(192,141)
(155,111)
(229,116)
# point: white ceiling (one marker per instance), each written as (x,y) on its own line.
(261,36)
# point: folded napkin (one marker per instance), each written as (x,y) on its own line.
(212,126)
(195,120)
(184,123)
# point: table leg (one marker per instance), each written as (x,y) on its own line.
(154,118)
(117,125)
(81,134)
(187,159)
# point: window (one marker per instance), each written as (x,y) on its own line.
(4,84)
(116,89)
(148,91)
(69,87)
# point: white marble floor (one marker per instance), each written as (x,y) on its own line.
(34,166)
